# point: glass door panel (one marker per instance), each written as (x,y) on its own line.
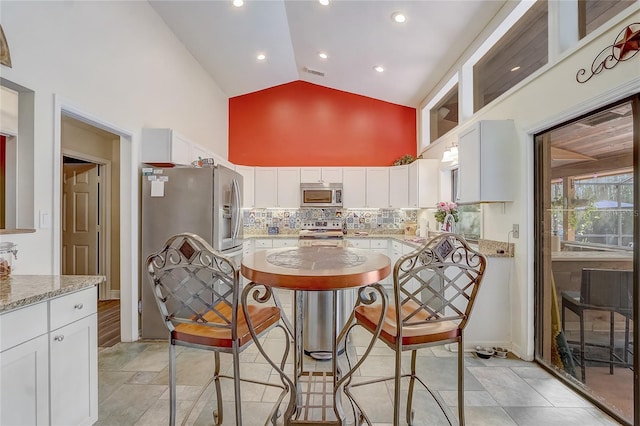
(585,217)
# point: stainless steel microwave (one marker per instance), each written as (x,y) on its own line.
(320,195)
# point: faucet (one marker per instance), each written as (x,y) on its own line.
(449,223)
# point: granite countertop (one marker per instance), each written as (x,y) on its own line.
(21,290)
(489,248)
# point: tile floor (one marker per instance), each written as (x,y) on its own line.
(133,389)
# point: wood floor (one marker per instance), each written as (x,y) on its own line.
(108,323)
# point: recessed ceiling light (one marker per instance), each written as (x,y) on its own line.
(324,2)
(378,68)
(399,17)
(323,55)
(261,57)
(515,68)
(238,3)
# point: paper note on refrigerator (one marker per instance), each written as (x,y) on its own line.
(157,188)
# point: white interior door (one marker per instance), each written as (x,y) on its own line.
(80,219)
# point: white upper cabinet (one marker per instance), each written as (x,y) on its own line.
(310,174)
(247,185)
(165,146)
(288,187)
(399,186)
(354,184)
(486,155)
(276,187)
(331,174)
(423,183)
(266,187)
(321,174)
(377,187)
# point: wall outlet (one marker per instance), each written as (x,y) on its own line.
(516,230)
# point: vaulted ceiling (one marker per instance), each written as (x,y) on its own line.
(356,35)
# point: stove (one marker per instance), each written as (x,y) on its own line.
(322,230)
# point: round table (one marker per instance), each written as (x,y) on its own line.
(315,268)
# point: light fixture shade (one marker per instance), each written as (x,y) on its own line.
(446,157)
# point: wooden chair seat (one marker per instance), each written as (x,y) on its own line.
(262,317)
(418,334)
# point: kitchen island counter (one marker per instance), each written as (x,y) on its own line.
(21,290)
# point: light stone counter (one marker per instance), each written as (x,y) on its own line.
(489,248)
(21,290)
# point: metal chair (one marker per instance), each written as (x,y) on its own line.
(435,287)
(197,290)
(605,290)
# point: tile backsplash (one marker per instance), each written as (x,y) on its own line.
(257,221)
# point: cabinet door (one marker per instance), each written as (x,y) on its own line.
(247,185)
(180,150)
(285,242)
(423,183)
(469,165)
(165,146)
(24,383)
(74,373)
(399,186)
(354,187)
(310,174)
(377,187)
(266,187)
(332,174)
(289,187)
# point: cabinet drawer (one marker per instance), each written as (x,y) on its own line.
(379,244)
(396,245)
(22,324)
(289,242)
(72,307)
(264,243)
(364,244)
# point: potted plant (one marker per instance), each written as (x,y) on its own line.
(444,208)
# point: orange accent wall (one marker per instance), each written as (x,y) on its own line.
(304,124)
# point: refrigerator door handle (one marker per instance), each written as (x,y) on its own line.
(235,191)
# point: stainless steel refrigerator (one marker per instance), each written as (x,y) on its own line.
(204,201)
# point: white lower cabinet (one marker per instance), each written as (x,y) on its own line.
(74,373)
(49,376)
(24,383)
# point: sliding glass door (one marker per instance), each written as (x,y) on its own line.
(586,226)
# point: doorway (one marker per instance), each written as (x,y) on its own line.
(586,226)
(90,219)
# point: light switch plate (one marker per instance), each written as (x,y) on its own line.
(516,230)
(45,219)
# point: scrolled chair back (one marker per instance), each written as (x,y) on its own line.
(193,283)
(438,282)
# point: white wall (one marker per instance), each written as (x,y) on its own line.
(119,63)
(552,96)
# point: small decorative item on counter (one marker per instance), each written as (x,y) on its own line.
(7,251)
(444,208)
(410,228)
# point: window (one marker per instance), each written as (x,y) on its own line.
(520,52)
(594,13)
(444,116)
